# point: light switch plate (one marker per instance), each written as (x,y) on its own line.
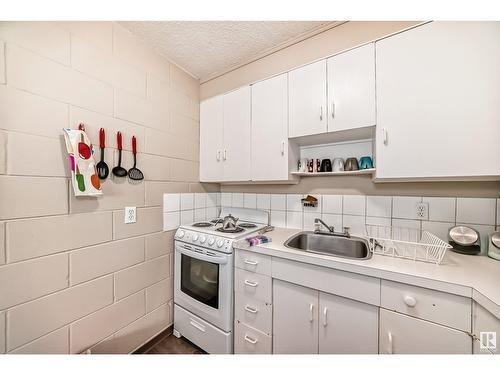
(423,210)
(130,215)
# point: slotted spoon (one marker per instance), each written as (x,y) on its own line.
(102,167)
(134,173)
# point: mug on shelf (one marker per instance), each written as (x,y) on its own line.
(365,162)
(302,165)
(326,165)
(338,165)
(351,164)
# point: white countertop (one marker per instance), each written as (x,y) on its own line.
(477,277)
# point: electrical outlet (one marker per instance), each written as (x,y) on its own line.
(130,215)
(423,210)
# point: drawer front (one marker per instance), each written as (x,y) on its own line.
(439,307)
(250,341)
(341,283)
(253,262)
(401,334)
(253,313)
(253,285)
(202,333)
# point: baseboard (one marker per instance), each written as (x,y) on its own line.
(154,340)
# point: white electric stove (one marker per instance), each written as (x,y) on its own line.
(203,278)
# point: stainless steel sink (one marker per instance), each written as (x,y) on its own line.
(352,247)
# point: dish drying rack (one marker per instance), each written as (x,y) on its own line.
(408,243)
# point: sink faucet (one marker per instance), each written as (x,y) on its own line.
(331,229)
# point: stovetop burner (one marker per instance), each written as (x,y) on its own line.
(202,224)
(234,230)
(247,225)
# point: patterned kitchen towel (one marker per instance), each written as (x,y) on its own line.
(257,240)
(81,162)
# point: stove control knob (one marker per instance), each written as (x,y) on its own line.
(211,241)
(195,237)
(180,233)
(203,239)
(220,243)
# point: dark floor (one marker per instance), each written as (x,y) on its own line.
(166,343)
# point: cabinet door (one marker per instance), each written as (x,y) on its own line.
(401,334)
(438,89)
(307,99)
(295,319)
(347,326)
(351,89)
(236,154)
(270,129)
(211,133)
(485,326)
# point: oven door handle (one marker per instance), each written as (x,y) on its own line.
(207,258)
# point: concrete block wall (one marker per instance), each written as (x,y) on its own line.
(73,276)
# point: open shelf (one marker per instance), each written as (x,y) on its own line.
(343,173)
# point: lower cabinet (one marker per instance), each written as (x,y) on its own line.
(401,334)
(486,329)
(306,321)
(248,340)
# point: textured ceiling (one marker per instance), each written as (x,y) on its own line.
(208,48)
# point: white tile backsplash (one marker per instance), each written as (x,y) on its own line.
(212,199)
(332,204)
(237,200)
(378,206)
(406,223)
(250,200)
(278,218)
(405,207)
(263,201)
(171,202)
(187,201)
(278,202)
(440,229)
(200,214)
(294,219)
(293,202)
(376,220)
(187,217)
(333,220)
(308,220)
(171,220)
(476,210)
(355,223)
(200,200)
(226,199)
(354,205)
(211,213)
(441,209)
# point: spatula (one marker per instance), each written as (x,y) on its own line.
(102,167)
(83,148)
(134,173)
(119,171)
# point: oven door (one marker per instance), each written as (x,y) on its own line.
(203,283)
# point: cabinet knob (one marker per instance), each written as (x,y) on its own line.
(410,301)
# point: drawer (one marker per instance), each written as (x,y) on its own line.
(439,307)
(205,335)
(253,313)
(253,285)
(253,262)
(250,341)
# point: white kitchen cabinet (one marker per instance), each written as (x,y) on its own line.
(236,153)
(401,334)
(307,100)
(295,319)
(438,90)
(487,325)
(347,326)
(351,89)
(270,150)
(211,138)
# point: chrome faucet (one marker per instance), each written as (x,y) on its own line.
(331,229)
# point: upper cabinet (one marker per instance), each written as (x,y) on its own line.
(438,95)
(351,89)
(211,139)
(225,137)
(271,152)
(307,100)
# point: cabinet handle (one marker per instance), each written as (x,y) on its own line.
(251,340)
(250,262)
(218,155)
(333,109)
(390,348)
(410,301)
(311,309)
(384,136)
(252,310)
(325,316)
(225,154)
(282,147)
(197,325)
(251,283)
(321,113)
